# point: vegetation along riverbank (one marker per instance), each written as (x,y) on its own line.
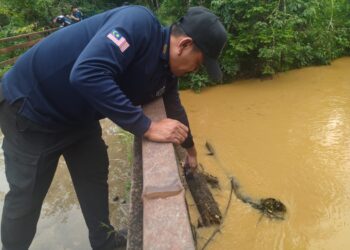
(265,37)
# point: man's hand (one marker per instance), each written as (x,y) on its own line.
(191,157)
(167,130)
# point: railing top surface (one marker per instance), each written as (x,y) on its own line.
(166,222)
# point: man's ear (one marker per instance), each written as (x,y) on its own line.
(185,42)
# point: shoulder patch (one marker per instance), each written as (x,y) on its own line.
(118,40)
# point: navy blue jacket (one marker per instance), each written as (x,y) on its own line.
(103,66)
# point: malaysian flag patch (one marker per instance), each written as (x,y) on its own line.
(119,40)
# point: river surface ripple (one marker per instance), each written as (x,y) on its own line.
(287,138)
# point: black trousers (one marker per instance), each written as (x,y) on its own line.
(31,155)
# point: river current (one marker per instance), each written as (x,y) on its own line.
(287,138)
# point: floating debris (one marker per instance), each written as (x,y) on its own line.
(211,150)
(269,207)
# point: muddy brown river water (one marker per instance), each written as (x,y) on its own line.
(287,138)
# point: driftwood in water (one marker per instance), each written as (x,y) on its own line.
(206,205)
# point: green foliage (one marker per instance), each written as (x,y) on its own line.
(171,10)
(272,36)
(26,16)
(42,12)
(264,36)
(127,189)
(195,81)
(4,70)
(127,140)
(4,19)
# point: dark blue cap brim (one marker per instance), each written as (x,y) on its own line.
(213,68)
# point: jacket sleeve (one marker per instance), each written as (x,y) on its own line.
(107,55)
(175,110)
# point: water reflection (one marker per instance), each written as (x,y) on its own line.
(329,125)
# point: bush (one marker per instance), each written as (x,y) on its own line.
(264,37)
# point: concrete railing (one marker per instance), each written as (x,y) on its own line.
(158,216)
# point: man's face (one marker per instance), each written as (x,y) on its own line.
(184,58)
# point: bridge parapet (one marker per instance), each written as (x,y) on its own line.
(164,216)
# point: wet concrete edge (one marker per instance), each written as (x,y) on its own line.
(135,230)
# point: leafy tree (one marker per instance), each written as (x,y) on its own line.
(264,36)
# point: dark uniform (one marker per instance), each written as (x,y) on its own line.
(77,14)
(63,21)
(55,95)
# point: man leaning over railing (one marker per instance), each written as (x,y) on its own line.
(56,93)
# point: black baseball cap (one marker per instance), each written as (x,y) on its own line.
(208,34)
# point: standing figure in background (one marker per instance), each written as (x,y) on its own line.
(63,21)
(76,15)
